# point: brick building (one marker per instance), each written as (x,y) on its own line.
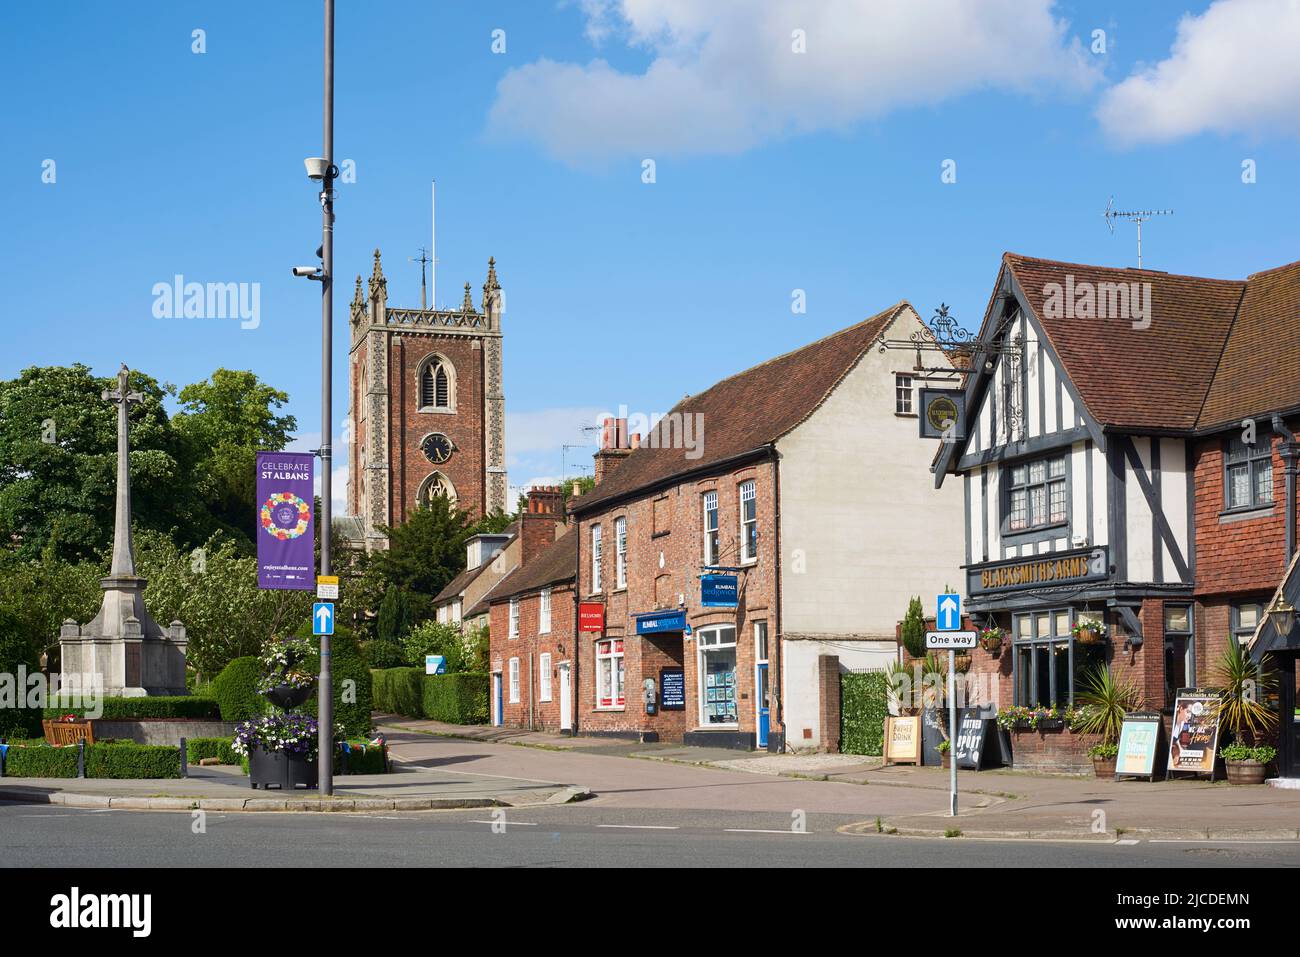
(1125,464)
(427,405)
(762,536)
(531,611)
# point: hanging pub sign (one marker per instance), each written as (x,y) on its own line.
(972,732)
(943,414)
(1194,736)
(1139,738)
(1052,568)
(286,521)
(718,591)
(591,616)
(903,740)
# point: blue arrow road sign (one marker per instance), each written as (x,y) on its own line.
(948,617)
(322,618)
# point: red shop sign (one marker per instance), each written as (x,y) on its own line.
(591,616)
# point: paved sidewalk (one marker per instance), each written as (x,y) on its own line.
(405,788)
(998,804)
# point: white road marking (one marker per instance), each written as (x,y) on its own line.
(1126,842)
(760,830)
(508,823)
(1223,841)
(643,827)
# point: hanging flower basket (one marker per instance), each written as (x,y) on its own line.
(991,640)
(961,663)
(1089,632)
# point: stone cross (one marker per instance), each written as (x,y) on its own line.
(123,553)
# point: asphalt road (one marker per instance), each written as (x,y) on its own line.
(569,836)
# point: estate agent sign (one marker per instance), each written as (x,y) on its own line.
(286,522)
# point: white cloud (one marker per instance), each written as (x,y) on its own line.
(1233,69)
(723,77)
(547,430)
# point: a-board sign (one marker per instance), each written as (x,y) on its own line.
(1139,738)
(950,639)
(934,731)
(903,740)
(972,734)
(1194,737)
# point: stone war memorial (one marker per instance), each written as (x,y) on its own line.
(123,651)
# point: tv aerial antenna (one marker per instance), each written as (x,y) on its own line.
(1138,216)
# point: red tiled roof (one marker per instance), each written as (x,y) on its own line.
(555,564)
(1155,377)
(747,411)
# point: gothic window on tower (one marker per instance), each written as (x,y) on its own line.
(435,485)
(437,385)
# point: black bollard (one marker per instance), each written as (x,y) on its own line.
(185,760)
(81,758)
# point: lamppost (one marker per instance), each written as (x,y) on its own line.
(322,169)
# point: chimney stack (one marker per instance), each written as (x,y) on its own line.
(540,523)
(614,447)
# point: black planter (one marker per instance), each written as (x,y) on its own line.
(287,697)
(1051,724)
(276,769)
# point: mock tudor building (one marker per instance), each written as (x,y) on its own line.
(1124,465)
(767,533)
(427,406)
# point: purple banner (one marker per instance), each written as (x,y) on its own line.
(285,521)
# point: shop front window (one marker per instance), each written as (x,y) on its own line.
(1049,664)
(1180,652)
(609,674)
(718,689)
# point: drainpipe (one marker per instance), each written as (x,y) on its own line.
(574,696)
(1290,452)
(776,564)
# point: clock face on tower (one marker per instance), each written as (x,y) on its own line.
(437,448)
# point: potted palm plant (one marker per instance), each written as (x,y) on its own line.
(1104,702)
(1246,684)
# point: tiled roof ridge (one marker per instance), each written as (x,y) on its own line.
(1011,258)
(1223,351)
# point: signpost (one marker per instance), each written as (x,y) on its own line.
(322,618)
(949,610)
(327,587)
(435,665)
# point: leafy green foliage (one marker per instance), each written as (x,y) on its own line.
(40,593)
(1104,702)
(236,689)
(108,760)
(1246,685)
(361,757)
(424,553)
(134,709)
(15,651)
(864,705)
(913,629)
(435,638)
(399,691)
(350,671)
(394,618)
(456,699)
(197,749)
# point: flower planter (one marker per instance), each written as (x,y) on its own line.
(1245,771)
(961,663)
(1090,637)
(945,760)
(286,697)
(279,769)
(1103,767)
(1051,724)
(992,645)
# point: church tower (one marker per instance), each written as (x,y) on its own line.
(427,406)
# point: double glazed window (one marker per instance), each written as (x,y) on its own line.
(1248,472)
(595,559)
(748,522)
(609,673)
(719,692)
(620,553)
(710,528)
(1036,494)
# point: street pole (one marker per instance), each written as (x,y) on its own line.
(325,692)
(952,731)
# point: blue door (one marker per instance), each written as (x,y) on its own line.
(764,705)
(496,699)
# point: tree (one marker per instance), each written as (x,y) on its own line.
(58,463)
(913,630)
(394,619)
(223,422)
(40,594)
(436,638)
(424,553)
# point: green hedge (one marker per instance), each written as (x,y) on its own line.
(235,690)
(125,760)
(371,760)
(130,709)
(352,685)
(399,691)
(460,698)
(196,749)
(15,651)
(864,705)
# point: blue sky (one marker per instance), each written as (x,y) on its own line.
(774,171)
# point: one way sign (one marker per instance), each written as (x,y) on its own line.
(322,618)
(949,612)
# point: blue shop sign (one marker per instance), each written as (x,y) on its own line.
(660,621)
(719,591)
